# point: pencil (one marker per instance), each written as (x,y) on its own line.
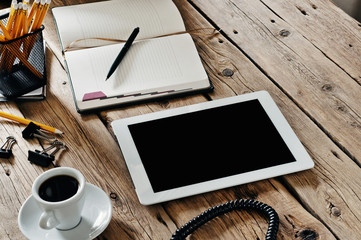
(25,19)
(38,15)
(23,16)
(43,13)
(17,21)
(14,7)
(26,122)
(6,33)
(26,2)
(34,9)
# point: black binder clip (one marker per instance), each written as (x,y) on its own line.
(5,150)
(42,158)
(33,130)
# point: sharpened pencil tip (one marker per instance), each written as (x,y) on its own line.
(58,131)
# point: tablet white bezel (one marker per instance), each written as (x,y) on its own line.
(142,184)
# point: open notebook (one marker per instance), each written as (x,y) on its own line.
(153,67)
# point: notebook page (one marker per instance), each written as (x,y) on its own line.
(116,20)
(162,64)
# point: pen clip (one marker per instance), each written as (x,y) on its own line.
(43,158)
(5,150)
(32,130)
(57,145)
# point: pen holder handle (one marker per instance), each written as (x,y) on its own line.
(22,64)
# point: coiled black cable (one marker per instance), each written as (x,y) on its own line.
(238,204)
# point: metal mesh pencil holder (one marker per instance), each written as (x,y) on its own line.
(22,64)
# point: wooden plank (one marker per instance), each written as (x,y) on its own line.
(323,17)
(328,193)
(322,89)
(109,117)
(295,221)
(16,176)
(16,173)
(93,149)
(199,200)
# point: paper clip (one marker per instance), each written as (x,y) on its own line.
(42,158)
(5,150)
(32,130)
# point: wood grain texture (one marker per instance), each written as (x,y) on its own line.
(220,56)
(263,45)
(322,18)
(320,87)
(333,190)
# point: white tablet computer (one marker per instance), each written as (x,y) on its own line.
(208,146)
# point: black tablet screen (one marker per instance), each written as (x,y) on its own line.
(209,144)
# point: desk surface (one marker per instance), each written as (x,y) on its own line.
(306,54)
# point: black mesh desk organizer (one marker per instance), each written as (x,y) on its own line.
(22,64)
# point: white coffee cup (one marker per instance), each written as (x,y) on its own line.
(63,214)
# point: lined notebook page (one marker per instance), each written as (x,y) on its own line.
(168,63)
(116,20)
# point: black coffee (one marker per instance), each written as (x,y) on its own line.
(58,188)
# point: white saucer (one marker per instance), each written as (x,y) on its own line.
(96,216)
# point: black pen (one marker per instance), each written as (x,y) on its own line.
(122,53)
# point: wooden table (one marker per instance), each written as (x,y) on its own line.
(305,53)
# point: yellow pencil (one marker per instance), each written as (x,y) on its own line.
(17,21)
(43,13)
(14,7)
(20,22)
(26,122)
(38,15)
(26,2)
(15,32)
(34,9)
(6,33)
(25,19)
